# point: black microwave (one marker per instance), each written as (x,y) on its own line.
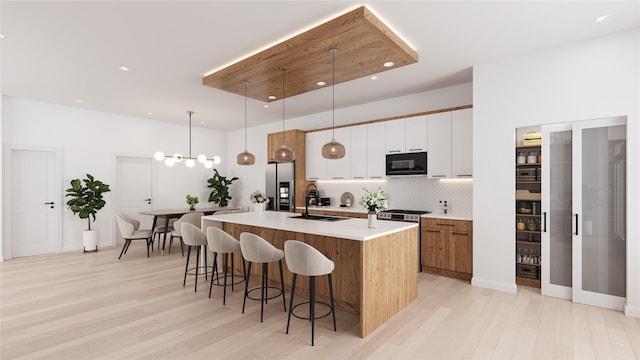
(407,164)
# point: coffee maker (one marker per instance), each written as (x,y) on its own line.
(313,194)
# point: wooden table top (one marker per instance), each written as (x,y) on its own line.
(169,212)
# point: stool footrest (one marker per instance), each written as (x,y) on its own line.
(329,310)
(278,293)
(219,280)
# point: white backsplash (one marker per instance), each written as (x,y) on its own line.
(409,193)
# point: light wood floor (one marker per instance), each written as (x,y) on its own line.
(81,306)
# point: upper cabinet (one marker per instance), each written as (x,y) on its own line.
(338,169)
(316,164)
(394,134)
(359,153)
(416,134)
(439,145)
(406,135)
(376,160)
(450,144)
(293,139)
(462,143)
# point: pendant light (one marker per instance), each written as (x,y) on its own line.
(283,154)
(333,149)
(245,157)
(190,161)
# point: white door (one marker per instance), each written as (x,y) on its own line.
(35,203)
(133,189)
(584,212)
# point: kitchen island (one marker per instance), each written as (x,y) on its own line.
(374,274)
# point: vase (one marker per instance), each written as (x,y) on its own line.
(192,208)
(373,219)
(258,207)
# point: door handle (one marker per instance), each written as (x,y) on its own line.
(148,201)
(576,224)
(544,222)
(50,203)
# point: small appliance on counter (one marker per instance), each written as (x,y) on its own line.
(313,194)
(325,201)
(346,200)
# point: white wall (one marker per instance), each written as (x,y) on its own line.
(90,142)
(593,79)
(427,191)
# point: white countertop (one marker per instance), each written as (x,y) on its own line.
(447,216)
(351,228)
(352,209)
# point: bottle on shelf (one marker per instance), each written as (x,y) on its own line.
(520,224)
(532,158)
(521,158)
(444,207)
(440,207)
(532,225)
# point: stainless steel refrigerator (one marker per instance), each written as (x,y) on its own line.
(280,186)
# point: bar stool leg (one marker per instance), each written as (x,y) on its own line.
(195,287)
(224,291)
(284,305)
(333,308)
(186,267)
(293,288)
(312,304)
(213,272)
(246,286)
(263,298)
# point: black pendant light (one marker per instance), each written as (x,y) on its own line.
(333,149)
(283,154)
(245,157)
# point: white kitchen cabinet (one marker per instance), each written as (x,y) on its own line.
(439,145)
(316,165)
(338,169)
(416,134)
(376,150)
(395,136)
(462,143)
(359,152)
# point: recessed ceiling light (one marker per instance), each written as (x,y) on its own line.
(2,36)
(124,68)
(602,18)
(266,105)
(374,78)
(389,64)
(79,101)
(321,83)
(271,97)
(203,122)
(149,113)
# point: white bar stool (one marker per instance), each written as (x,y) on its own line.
(258,250)
(194,237)
(303,259)
(220,242)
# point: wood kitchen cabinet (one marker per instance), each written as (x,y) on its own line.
(447,247)
(295,140)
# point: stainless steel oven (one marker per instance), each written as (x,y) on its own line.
(406,216)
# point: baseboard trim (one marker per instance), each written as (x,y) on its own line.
(633,311)
(494,285)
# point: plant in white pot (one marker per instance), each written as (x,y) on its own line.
(86,200)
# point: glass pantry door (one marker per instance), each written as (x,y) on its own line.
(584,212)
(556,210)
(599,213)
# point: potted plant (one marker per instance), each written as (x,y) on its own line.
(260,199)
(86,200)
(192,201)
(373,201)
(220,185)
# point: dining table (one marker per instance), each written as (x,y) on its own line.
(167,214)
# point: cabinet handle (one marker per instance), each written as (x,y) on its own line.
(459,233)
(438,176)
(464,175)
(544,222)
(358,177)
(576,224)
(439,224)
(376,177)
(393,151)
(314,178)
(434,231)
(416,149)
(337,177)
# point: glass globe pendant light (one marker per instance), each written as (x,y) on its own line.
(333,149)
(245,157)
(283,154)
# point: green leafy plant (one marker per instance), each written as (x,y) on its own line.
(220,185)
(86,197)
(192,201)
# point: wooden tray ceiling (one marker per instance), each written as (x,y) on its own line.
(364,44)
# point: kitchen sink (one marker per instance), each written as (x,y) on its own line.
(318,217)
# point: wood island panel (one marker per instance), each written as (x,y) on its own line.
(374,278)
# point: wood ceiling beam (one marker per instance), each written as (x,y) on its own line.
(364,44)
